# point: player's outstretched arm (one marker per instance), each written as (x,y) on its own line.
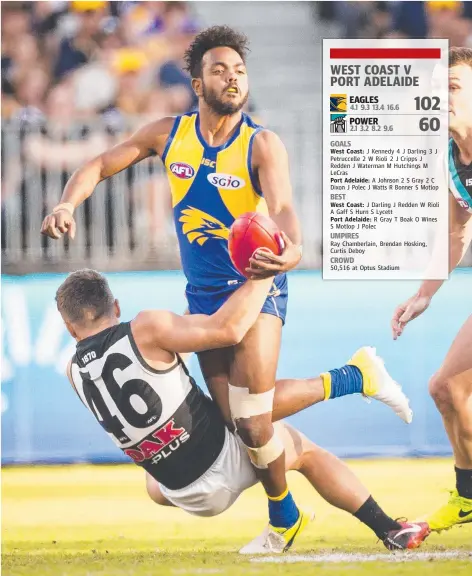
(143,143)
(197,332)
(270,163)
(460,237)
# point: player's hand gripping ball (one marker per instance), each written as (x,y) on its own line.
(250,232)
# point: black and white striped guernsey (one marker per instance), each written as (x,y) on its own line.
(161,419)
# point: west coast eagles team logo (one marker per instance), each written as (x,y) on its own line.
(199,226)
(338,103)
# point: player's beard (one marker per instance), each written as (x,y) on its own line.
(222,108)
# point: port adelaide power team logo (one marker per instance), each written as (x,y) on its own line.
(338,109)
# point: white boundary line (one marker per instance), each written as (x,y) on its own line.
(353,557)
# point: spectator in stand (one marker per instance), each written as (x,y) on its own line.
(64,143)
(401,19)
(82,47)
(15,24)
(46,19)
(379,21)
(95,83)
(30,94)
(20,56)
(25,57)
(447,20)
(45,16)
(175,17)
(172,74)
(141,19)
(113,52)
(450,20)
(130,67)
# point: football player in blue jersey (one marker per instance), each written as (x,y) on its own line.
(221,164)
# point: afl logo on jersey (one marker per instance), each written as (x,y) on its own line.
(225,181)
(464,204)
(182,170)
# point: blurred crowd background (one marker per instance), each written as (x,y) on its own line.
(66,60)
(78,76)
(449,19)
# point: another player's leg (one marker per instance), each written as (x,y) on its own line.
(451,389)
(215,365)
(339,486)
(251,392)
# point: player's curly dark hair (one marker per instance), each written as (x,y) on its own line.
(212,38)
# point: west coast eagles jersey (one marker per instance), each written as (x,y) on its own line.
(211,186)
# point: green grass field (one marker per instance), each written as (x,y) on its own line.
(95,520)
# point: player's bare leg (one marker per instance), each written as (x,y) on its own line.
(216,369)
(255,360)
(451,389)
(292,395)
(339,486)
(330,477)
(251,391)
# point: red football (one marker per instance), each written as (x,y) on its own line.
(249,232)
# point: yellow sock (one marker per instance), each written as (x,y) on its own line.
(326,377)
(278,498)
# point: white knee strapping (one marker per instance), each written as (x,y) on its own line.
(263,456)
(244,405)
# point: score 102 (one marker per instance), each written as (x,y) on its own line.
(428,103)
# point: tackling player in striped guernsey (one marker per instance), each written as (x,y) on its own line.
(131,376)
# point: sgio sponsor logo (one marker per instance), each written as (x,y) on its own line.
(182,170)
(226,181)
